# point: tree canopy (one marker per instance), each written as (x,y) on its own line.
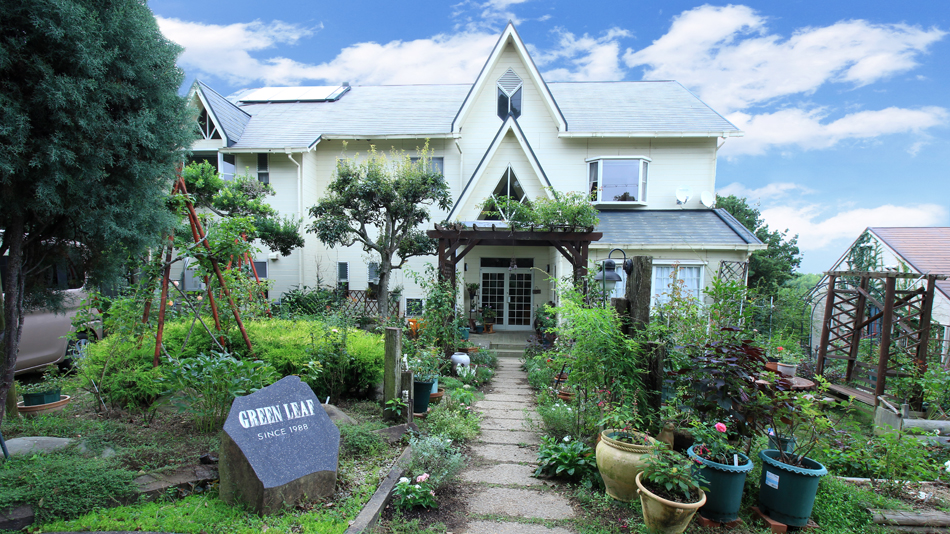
(92,128)
(770,268)
(380,202)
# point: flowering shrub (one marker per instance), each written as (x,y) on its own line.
(411,493)
(711,442)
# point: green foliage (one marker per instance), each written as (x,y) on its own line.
(841,508)
(411,492)
(453,420)
(206,385)
(565,458)
(308,301)
(92,129)
(561,210)
(436,455)
(396,407)
(484,357)
(462,394)
(559,419)
(770,268)
(381,203)
(61,485)
(52,380)
(438,327)
(359,440)
(669,473)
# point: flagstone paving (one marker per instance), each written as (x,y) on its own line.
(506,457)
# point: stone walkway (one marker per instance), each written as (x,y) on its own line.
(506,492)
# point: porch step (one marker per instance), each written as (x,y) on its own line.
(508,346)
(513,354)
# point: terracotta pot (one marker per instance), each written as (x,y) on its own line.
(33,411)
(668,517)
(435,398)
(565,395)
(619,464)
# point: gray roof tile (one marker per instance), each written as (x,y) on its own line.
(663,227)
(615,107)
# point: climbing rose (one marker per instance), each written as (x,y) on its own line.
(720,427)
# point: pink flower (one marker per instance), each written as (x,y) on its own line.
(720,427)
(422,478)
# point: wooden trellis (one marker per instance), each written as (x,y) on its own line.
(852,305)
(733,271)
(458,240)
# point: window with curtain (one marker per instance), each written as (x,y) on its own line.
(665,275)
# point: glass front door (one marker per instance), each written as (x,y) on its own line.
(509,293)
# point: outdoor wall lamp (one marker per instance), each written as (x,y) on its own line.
(608,276)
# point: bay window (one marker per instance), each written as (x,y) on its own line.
(618,179)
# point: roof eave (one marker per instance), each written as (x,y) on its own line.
(652,134)
(680,246)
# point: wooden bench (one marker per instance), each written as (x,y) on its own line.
(862,385)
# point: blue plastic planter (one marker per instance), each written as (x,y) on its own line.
(787,493)
(725,483)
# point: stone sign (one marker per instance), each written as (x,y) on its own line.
(278,446)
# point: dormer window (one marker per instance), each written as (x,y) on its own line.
(618,179)
(509,95)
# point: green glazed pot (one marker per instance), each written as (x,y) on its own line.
(787,493)
(420,399)
(725,483)
(43,397)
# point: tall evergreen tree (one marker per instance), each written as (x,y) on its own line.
(770,268)
(92,128)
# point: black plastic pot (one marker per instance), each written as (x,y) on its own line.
(787,493)
(725,483)
(421,392)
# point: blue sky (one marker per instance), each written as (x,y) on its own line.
(845,105)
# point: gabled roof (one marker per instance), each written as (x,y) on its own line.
(510,34)
(681,229)
(646,108)
(510,125)
(229,119)
(414,111)
(925,249)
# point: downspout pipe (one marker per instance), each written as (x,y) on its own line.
(299,165)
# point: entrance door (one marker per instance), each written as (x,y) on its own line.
(508,292)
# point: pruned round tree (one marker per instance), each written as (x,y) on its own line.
(380,202)
(92,127)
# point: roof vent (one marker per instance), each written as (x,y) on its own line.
(509,82)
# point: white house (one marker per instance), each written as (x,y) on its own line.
(635,146)
(920,250)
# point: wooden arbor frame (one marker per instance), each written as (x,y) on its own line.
(905,321)
(458,240)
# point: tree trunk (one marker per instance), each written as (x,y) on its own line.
(384,270)
(12,307)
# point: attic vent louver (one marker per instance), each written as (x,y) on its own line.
(509,82)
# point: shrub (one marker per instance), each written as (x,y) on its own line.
(359,440)
(121,373)
(60,484)
(305,300)
(452,420)
(436,455)
(484,357)
(559,419)
(211,383)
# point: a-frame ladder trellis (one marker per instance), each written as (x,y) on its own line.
(200,238)
(905,320)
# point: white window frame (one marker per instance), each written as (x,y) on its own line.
(656,292)
(438,163)
(642,180)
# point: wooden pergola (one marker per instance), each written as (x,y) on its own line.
(905,319)
(458,240)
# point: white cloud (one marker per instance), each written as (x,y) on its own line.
(592,58)
(225,52)
(728,56)
(805,129)
(816,230)
(767,192)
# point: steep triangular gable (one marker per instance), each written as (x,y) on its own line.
(509,126)
(229,119)
(510,35)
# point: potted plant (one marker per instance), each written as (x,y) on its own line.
(669,493)
(488,314)
(790,479)
(621,452)
(425,368)
(788,362)
(724,471)
(44,396)
(472,289)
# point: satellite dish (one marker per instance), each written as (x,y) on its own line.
(682,194)
(708,199)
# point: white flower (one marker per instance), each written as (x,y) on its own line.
(567,439)
(403,480)
(948,466)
